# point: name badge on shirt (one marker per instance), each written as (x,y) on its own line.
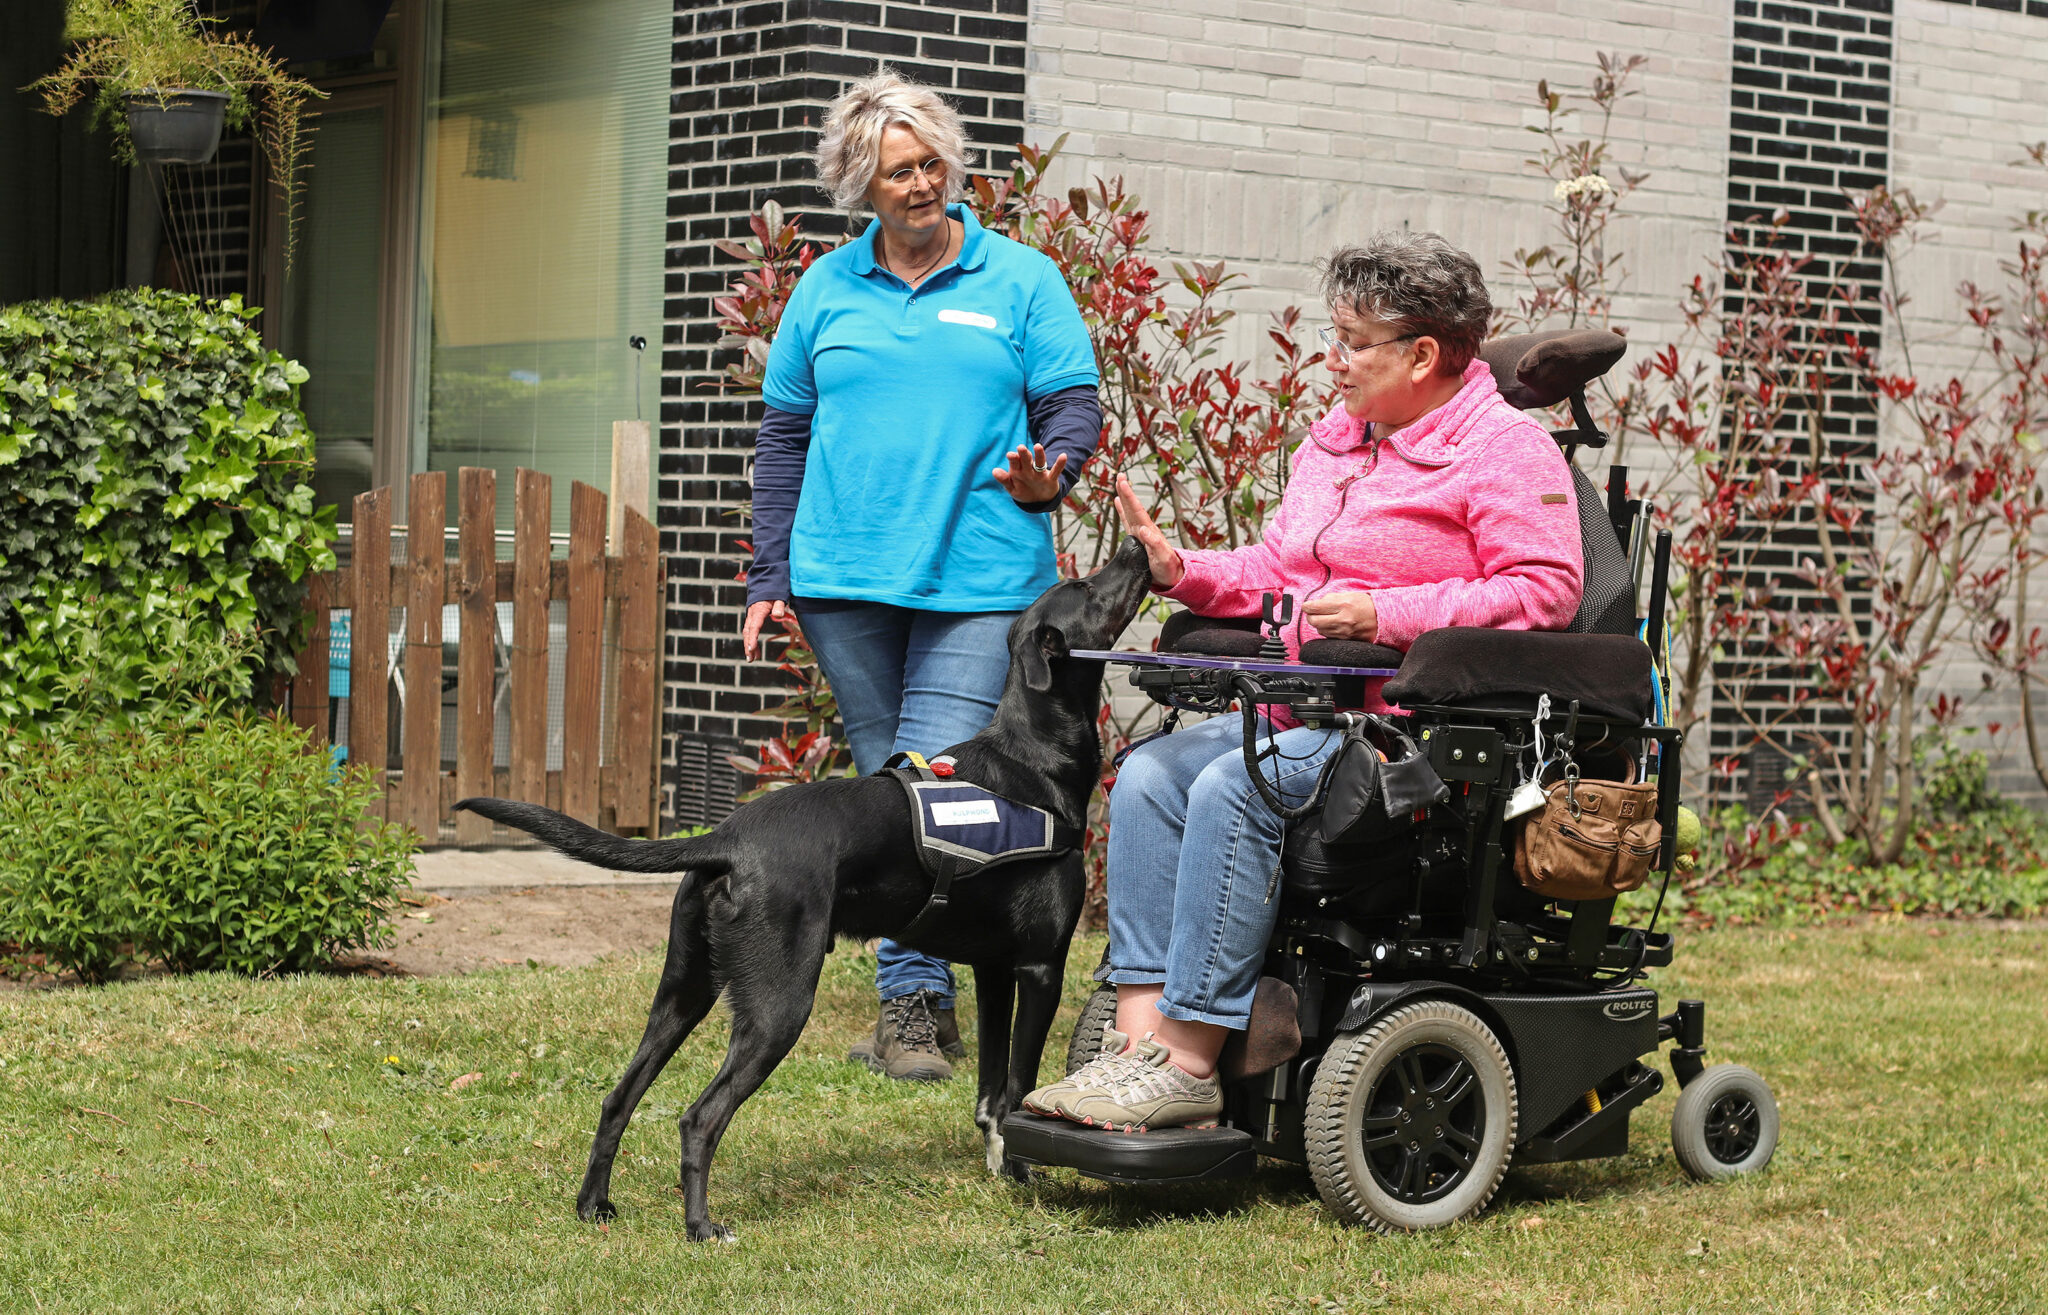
(975,318)
(978,813)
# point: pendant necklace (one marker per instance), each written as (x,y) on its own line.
(944,249)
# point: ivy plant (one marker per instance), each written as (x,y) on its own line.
(153,465)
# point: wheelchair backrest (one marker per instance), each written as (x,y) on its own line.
(1607,598)
(1542,369)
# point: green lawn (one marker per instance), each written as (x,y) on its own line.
(218,1144)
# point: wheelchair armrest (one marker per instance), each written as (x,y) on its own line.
(1349,653)
(1610,675)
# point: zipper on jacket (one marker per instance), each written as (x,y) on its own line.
(1315,548)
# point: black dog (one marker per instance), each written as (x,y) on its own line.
(764,894)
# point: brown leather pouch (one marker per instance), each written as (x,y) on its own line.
(1592,840)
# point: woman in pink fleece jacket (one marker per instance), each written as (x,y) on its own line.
(1424,500)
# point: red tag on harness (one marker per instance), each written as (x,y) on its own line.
(941,766)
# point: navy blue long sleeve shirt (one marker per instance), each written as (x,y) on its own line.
(1067,421)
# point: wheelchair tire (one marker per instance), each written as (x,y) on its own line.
(1387,1079)
(1096,1016)
(1726,1124)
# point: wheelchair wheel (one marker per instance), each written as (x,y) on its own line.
(1726,1124)
(1096,1016)
(1410,1122)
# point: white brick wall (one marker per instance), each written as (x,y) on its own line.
(1966,98)
(1268,133)
(1967,95)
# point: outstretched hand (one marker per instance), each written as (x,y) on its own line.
(1027,478)
(1167,567)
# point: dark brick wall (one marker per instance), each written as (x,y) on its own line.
(751,85)
(1809,123)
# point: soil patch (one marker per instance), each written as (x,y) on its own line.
(555,926)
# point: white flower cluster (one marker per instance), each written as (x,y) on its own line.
(1590,184)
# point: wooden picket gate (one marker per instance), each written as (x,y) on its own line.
(621,591)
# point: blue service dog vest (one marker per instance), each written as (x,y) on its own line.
(963,829)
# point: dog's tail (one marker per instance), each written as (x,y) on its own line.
(704,854)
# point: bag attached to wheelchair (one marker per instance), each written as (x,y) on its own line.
(1379,781)
(1592,840)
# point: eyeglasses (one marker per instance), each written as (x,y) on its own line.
(1331,342)
(933,171)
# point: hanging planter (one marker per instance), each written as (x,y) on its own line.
(166,81)
(176,127)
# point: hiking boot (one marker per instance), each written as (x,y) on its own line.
(1111,1066)
(948,1028)
(1158,1096)
(905,1045)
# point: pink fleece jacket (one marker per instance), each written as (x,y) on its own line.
(1464,518)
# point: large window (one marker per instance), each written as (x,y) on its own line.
(331,307)
(543,212)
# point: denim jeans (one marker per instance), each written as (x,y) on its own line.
(909,681)
(1194,861)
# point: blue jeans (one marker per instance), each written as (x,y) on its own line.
(1194,862)
(909,681)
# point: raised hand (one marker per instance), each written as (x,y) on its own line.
(1027,478)
(1167,567)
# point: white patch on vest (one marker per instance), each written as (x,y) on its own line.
(976,318)
(979,812)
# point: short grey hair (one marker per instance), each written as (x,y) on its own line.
(1417,284)
(850,149)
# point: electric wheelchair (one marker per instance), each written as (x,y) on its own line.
(1422,1019)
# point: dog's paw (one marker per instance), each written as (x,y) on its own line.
(1016,1171)
(706,1231)
(596,1212)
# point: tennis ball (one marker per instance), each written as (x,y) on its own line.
(1688,833)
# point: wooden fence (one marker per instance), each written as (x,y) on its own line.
(620,593)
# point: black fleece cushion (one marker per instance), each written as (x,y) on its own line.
(1475,666)
(1210,636)
(1349,653)
(1542,369)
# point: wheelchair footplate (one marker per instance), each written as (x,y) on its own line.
(1167,1155)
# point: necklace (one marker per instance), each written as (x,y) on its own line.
(945,249)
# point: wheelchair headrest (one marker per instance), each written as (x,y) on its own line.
(1542,369)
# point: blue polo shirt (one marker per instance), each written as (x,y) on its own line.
(915,395)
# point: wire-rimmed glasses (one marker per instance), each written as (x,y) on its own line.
(1344,353)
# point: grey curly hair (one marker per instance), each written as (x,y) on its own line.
(851,145)
(1418,285)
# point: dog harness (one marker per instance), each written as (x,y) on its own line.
(964,829)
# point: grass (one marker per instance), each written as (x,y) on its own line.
(220,1144)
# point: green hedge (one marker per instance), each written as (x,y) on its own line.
(152,460)
(216,843)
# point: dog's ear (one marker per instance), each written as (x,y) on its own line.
(1039,649)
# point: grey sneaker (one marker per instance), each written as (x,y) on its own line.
(906,1041)
(948,1027)
(1158,1096)
(1114,1064)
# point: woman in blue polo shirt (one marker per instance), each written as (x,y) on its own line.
(931,396)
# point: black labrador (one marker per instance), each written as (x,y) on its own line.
(764,894)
